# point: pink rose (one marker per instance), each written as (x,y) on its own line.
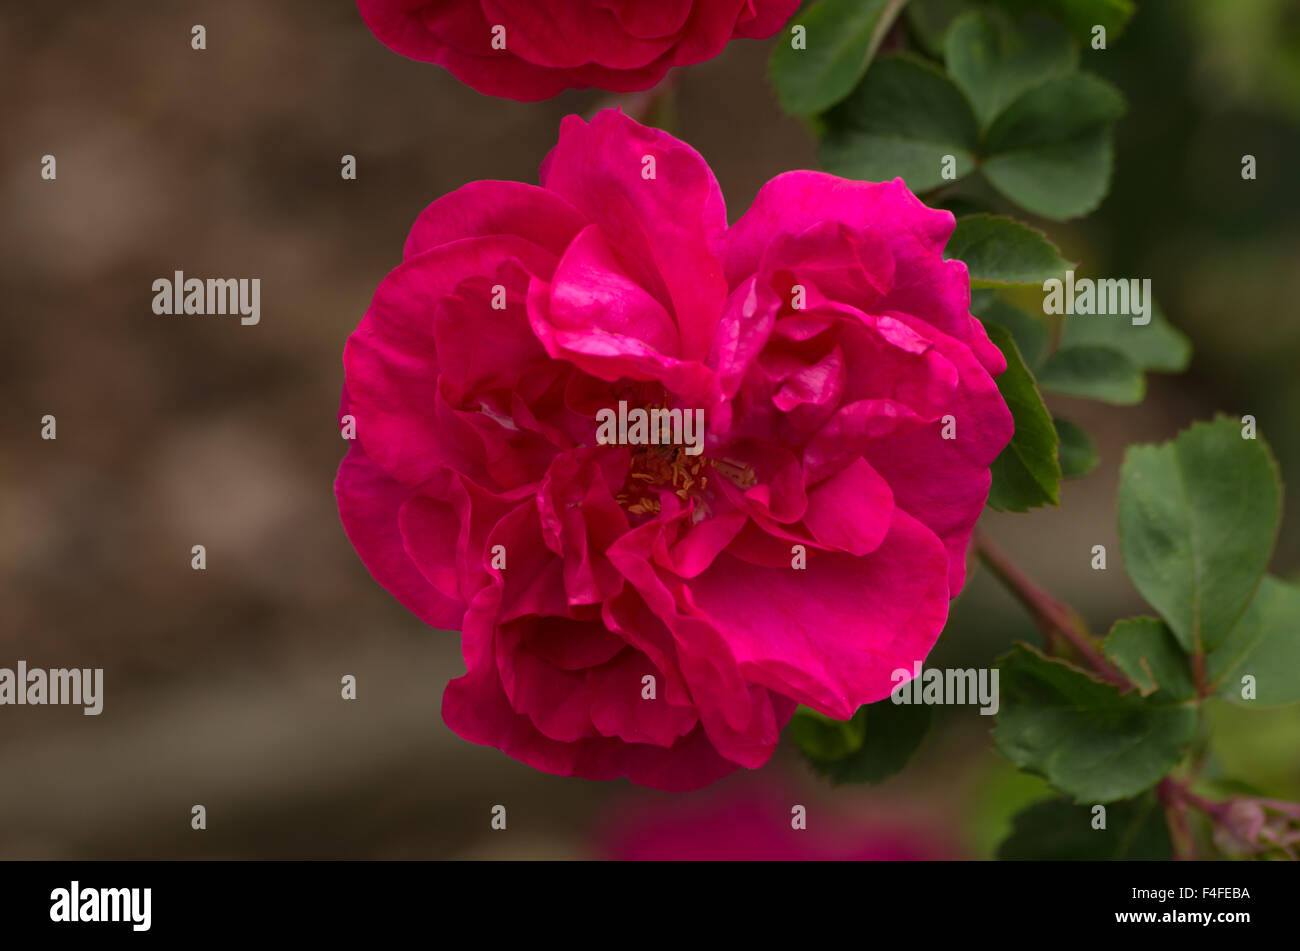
(636,610)
(535,49)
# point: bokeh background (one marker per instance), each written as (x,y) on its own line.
(222,687)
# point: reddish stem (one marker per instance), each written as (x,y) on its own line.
(1169,793)
(1054,618)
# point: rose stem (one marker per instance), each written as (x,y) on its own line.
(1053,617)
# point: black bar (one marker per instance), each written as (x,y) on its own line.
(469,901)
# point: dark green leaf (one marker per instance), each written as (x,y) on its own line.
(842,38)
(1060,110)
(1098,373)
(1078,457)
(1056,830)
(1029,332)
(962,205)
(901,121)
(1050,151)
(1082,15)
(892,732)
(931,19)
(994,63)
(1026,474)
(1197,521)
(1001,251)
(1147,651)
(1264,644)
(1061,181)
(981,300)
(1084,736)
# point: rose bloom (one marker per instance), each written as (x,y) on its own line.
(635,610)
(553,45)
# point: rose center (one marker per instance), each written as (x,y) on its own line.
(656,469)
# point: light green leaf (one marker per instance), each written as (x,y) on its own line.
(901,121)
(1098,373)
(1153,346)
(1197,520)
(821,737)
(994,63)
(1001,251)
(1056,830)
(1026,474)
(1084,736)
(1078,456)
(842,38)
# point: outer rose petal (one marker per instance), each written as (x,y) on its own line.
(551,45)
(564,35)
(944,483)
(476,707)
(832,635)
(794,201)
(664,231)
(369,503)
(486,208)
(663,18)
(925,285)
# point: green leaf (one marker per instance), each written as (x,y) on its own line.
(842,38)
(891,733)
(902,120)
(930,21)
(824,738)
(1084,736)
(1050,151)
(1082,15)
(1264,644)
(1001,251)
(1056,181)
(962,205)
(1098,373)
(981,299)
(1029,332)
(1059,110)
(994,63)
(1197,520)
(1056,830)
(1078,457)
(1152,346)
(1026,474)
(1148,653)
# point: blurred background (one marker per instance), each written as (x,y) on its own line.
(222,687)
